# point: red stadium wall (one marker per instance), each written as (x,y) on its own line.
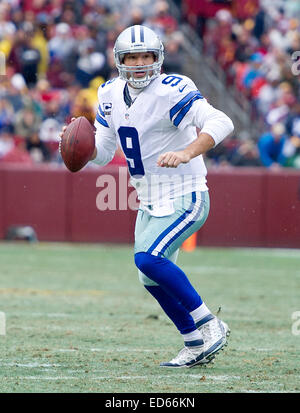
(253,207)
(249,207)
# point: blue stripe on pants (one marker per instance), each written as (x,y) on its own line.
(191,215)
(184,228)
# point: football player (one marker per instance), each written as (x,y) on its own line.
(154,118)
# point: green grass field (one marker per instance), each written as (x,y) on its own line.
(78,320)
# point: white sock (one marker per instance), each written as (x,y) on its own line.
(194,335)
(200,312)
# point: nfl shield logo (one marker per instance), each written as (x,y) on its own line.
(126,116)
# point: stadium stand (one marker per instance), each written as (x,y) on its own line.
(57,53)
(256,46)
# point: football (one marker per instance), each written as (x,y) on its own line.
(77,144)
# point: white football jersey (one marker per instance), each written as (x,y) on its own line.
(163,117)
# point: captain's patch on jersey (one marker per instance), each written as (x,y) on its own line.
(107,108)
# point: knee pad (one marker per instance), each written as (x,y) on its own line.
(144,261)
(152,266)
(146,280)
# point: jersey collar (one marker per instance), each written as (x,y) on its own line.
(126,96)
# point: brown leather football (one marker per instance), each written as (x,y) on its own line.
(77,144)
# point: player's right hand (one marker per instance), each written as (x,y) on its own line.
(61,134)
(173,159)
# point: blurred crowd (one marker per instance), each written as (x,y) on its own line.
(257,45)
(57,53)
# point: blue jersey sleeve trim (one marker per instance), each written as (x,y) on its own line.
(184,111)
(101,120)
(183,106)
(101,111)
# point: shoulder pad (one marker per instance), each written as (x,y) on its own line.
(174,85)
(178,82)
(182,93)
(107,86)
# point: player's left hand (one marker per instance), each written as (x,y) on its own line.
(172,159)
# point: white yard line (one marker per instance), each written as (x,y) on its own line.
(210,268)
(202,269)
(48,327)
(35,314)
(199,376)
(262,350)
(29,365)
(273,252)
(129,350)
(152,350)
(116,350)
